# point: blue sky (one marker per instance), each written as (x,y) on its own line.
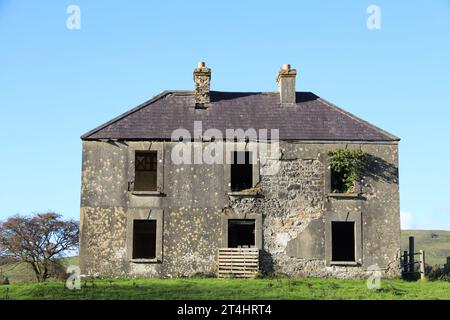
(56,83)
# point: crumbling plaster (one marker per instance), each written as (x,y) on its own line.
(294,206)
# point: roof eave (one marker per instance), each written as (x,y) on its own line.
(125,114)
(389,135)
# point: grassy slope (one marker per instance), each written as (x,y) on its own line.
(230,289)
(22,272)
(436,249)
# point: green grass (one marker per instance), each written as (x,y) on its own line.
(437,249)
(210,288)
(22,272)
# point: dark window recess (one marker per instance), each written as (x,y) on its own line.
(241,171)
(343,241)
(241,233)
(144,239)
(145,177)
(337,181)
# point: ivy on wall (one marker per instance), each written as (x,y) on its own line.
(346,166)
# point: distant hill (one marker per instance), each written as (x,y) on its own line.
(435,243)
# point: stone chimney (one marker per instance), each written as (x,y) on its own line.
(202,79)
(286,84)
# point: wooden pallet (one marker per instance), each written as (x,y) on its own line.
(238,262)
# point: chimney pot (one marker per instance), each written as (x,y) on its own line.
(286,84)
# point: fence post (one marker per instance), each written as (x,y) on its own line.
(411,254)
(405,261)
(422,264)
(447,266)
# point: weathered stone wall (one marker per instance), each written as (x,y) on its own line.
(294,203)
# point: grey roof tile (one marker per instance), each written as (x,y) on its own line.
(311,118)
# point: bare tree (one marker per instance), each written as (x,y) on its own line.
(39,240)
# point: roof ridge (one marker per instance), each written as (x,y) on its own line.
(356,118)
(125,114)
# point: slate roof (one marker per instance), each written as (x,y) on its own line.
(311,118)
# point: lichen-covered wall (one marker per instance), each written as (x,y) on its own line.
(295,206)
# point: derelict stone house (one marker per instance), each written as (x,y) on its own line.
(146,213)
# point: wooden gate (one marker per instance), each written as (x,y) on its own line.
(408,262)
(238,262)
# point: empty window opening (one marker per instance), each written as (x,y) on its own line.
(144,239)
(241,233)
(338,181)
(343,241)
(241,171)
(145,178)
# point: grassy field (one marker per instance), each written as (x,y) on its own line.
(435,243)
(210,288)
(22,272)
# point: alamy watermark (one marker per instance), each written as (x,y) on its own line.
(73,281)
(374,280)
(374,20)
(215,147)
(73,21)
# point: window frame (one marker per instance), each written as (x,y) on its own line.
(153,160)
(328,190)
(343,215)
(235,158)
(153,164)
(134,253)
(231,147)
(253,224)
(257,217)
(135,147)
(145,214)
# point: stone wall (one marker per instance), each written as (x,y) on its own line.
(294,204)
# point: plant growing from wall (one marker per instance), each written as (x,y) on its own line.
(346,166)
